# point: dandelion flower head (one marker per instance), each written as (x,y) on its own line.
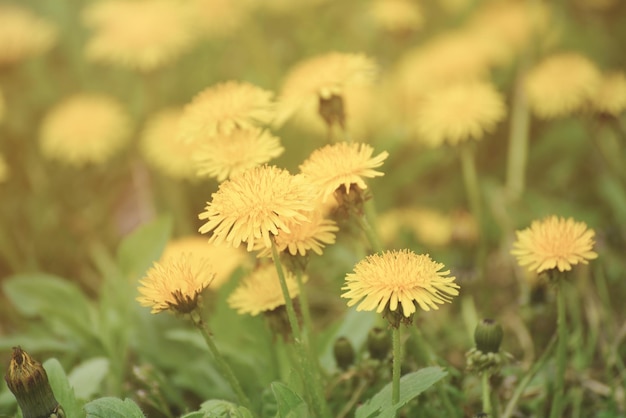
(255,205)
(138,34)
(397,16)
(554,242)
(561,85)
(399,279)
(342,164)
(458,113)
(162,149)
(225,107)
(84,129)
(23,35)
(174,284)
(226,155)
(610,98)
(261,291)
(219,18)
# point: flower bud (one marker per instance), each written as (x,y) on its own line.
(378,343)
(344,353)
(28,381)
(488,336)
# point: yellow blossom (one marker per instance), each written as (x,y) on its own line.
(561,85)
(84,129)
(222,108)
(218,18)
(341,164)
(399,280)
(23,35)
(397,16)
(174,284)
(226,155)
(610,97)
(554,242)
(458,113)
(255,205)
(261,291)
(138,34)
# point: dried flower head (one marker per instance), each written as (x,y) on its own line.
(397,16)
(139,34)
(341,164)
(458,113)
(554,243)
(255,205)
(175,284)
(225,107)
(261,291)
(223,259)
(162,149)
(322,77)
(561,85)
(84,129)
(398,281)
(610,98)
(227,155)
(23,35)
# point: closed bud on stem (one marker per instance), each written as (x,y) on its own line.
(344,353)
(378,343)
(28,381)
(488,336)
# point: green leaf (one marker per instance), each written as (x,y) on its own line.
(411,385)
(57,301)
(62,389)
(216,408)
(87,377)
(137,251)
(112,408)
(195,414)
(290,404)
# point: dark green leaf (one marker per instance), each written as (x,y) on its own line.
(216,408)
(112,408)
(290,404)
(61,388)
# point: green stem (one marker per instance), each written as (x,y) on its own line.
(486,389)
(366,222)
(291,312)
(397,360)
(561,351)
(518,143)
(222,365)
(304,305)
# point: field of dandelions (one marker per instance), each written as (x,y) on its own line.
(374,208)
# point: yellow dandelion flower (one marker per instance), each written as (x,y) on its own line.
(84,129)
(23,35)
(397,280)
(222,259)
(216,18)
(227,155)
(610,98)
(162,150)
(397,16)
(225,107)
(322,77)
(261,291)
(341,164)
(430,227)
(174,284)
(139,34)
(554,242)
(255,205)
(561,85)
(458,113)
(4,169)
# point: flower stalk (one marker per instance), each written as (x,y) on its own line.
(561,353)
(472,188)
(397,361)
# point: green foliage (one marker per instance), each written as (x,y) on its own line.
(63,391)
(290,404)
(113,408)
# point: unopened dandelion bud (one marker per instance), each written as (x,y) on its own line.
(28,381)
(331,109)
(344,353)
(378,343)
(488,336)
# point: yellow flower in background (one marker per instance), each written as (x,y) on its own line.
(138,34)
(458,113)
(4,169)
(610,97)
(225,107)
(399,280)
(554,242)
(261,291)
(163,151)
(396,16)
(341,164)
(255,205)
(23,35)
(222,259)
(322,77)
(227,155)
(84,129)
(174,284)
(218,18)
(561,84)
